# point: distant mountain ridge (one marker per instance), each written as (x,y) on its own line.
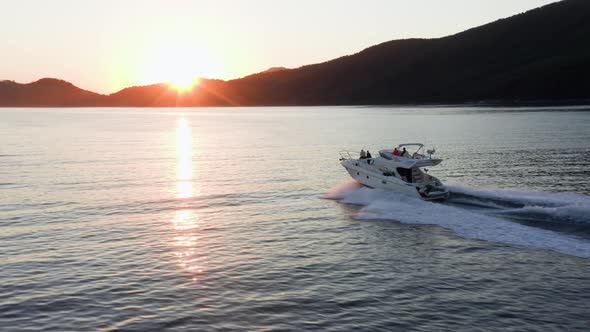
(46,92)
(540,55)
(273,69)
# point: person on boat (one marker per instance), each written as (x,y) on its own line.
(369,155)
(405,153)
(395,152)
(363,155)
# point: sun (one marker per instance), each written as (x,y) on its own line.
(184,84)
(179,64)
(178,71)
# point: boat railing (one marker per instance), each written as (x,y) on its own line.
(366,163)
(348,155)
(351,155)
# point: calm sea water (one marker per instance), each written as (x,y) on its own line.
(243,219)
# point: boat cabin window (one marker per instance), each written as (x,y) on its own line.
(386,172)
(405,174)
(411,175)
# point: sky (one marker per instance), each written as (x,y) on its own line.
(106,45)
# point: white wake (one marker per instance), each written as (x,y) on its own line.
(380,204)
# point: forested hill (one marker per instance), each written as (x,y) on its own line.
(542,55)
(46,92)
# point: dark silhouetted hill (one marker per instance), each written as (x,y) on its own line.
(47,92)
(273,69)
(542,55)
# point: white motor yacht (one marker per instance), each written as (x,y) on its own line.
(405,174)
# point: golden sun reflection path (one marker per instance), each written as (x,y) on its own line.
(185,221)
(184,160)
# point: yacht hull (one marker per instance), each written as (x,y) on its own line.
(372,179)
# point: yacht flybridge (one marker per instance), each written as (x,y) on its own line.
(393,171)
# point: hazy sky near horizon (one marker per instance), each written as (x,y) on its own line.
(105,45)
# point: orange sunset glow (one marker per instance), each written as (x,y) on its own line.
(105,46)
(294,165)
(179,64)
(179,59)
